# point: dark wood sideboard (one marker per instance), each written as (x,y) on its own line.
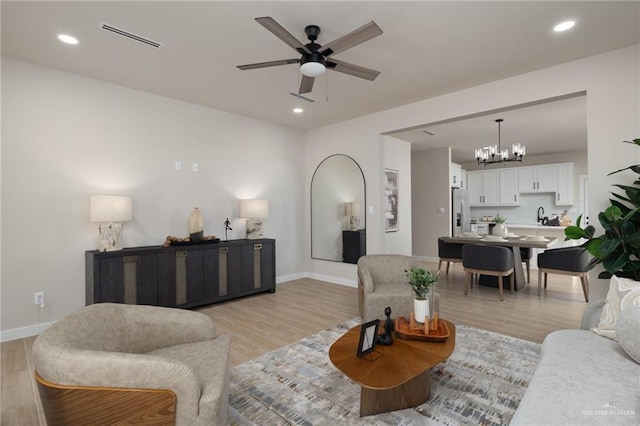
(181,276)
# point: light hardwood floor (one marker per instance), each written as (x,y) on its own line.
(262,323)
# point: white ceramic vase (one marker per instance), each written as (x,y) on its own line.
(420,309)
(500,230)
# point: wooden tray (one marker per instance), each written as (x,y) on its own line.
(405,331)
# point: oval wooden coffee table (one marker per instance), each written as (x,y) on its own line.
(397,380)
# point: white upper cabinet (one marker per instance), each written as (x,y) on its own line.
(483,187)
(564,184)
(537,179)
(455,175)
(509,195)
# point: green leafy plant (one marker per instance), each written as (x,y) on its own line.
(499,218)
(421,280)
(618,249)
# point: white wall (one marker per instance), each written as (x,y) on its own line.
(431,191)
(397,156)
(66,137)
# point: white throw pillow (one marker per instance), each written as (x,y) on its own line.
(623,293)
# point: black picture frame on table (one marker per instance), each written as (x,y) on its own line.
(367,342)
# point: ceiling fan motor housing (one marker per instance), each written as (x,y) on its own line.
(313,57)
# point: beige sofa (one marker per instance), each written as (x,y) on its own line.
(113,363)
(382,282)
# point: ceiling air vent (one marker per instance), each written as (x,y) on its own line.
(132,36)
(428,132)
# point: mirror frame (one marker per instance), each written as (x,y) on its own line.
(364,197)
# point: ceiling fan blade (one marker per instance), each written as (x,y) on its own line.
(306,84)
(278,30)
(351,69)
(268,64)
(355,37)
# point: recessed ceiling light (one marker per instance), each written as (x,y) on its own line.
(67,39)
(298,110)
(564,26)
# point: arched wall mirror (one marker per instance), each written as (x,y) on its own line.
(338,221)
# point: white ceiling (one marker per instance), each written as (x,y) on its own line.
(559,125)
(427,49)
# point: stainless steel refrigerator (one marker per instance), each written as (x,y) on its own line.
(460,212)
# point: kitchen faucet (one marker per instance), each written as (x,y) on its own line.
(540,213)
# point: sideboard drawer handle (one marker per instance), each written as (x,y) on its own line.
(257,246)
(224,249)
(182,253)
(130,259)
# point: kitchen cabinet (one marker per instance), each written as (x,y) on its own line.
(483,187)
(181,276)
(537,179)
(455,175)
(509,195)
(564,184)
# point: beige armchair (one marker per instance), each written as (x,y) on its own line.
(115,364)
(382,282)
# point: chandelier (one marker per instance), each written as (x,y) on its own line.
(495,154)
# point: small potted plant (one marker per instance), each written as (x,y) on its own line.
(421,280)
(500,229)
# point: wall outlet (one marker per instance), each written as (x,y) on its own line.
(38,298)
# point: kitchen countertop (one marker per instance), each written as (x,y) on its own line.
(525,225)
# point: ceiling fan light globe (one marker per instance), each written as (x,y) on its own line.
(312,69)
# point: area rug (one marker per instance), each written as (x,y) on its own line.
(481,383)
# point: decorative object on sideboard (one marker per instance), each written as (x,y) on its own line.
(177,241)
(352,212)
(196,225)
(421,281)
(110,211)
(227,227)
(255,211)
(495,154)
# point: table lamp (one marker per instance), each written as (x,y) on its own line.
(110,211)
(254,211)
(352,211)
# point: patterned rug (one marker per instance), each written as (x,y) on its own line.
(481,383)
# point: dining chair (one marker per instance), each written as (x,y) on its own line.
(448,252)
(573,261)
(487,260)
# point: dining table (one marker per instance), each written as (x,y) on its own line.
(514,243)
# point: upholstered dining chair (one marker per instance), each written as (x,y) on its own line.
(573,261)
(128,364)
(448,252)
(487,260)
(382,282)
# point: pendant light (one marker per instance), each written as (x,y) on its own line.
(495,154)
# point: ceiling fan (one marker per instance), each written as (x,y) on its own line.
(316,58)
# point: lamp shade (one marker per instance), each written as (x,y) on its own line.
(253,209)
(352,209)
(110,208)
(312,69)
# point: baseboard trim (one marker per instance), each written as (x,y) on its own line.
(22,332)
(332,279)
(291,277)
